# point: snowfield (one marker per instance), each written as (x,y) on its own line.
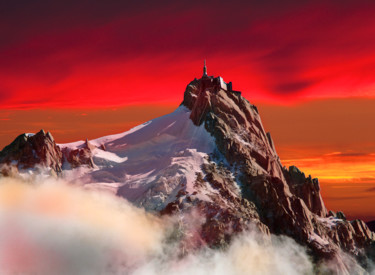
(148,164)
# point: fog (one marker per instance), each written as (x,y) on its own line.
(50,227)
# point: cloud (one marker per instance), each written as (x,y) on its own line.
(248,254)
(346,198)
(50,227)
(348,154)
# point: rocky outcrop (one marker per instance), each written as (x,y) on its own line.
(307,189)
(223,215)
(28,150)
(286,201)
(81,156)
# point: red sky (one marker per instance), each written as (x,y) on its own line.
(88,68)
(105,53)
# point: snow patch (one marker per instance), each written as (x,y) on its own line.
(108,156)
(329,222)
(71,145)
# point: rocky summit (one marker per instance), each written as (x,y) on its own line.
(210,158)
(286,201)
(29,151)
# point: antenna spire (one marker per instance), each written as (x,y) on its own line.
(205,68)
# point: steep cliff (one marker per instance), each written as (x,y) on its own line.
(286,200)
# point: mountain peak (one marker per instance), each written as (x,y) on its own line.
(207,93)
(287,201)
(211,156)
(28,150)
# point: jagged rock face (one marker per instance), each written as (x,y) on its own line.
(224,215)
(80,156)
(307,189)
(26,151)
(287,202)
(236,125)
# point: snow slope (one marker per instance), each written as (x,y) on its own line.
(150,163)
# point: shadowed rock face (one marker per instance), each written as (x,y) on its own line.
(371,225)
(26,151)
(287,202)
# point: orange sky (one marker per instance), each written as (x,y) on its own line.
(333,140)
(329,139)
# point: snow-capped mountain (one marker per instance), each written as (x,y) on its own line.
(149,164)
(211,156)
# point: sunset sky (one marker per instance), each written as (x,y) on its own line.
(91,68)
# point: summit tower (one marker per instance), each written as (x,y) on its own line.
(205,69)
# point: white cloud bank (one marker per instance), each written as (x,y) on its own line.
(50,227)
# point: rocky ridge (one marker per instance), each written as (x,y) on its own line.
(29,151)
(286,200)
(241,184)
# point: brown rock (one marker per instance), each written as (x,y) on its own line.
(285,201)
(27,151)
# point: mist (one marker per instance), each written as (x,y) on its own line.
(48,226)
